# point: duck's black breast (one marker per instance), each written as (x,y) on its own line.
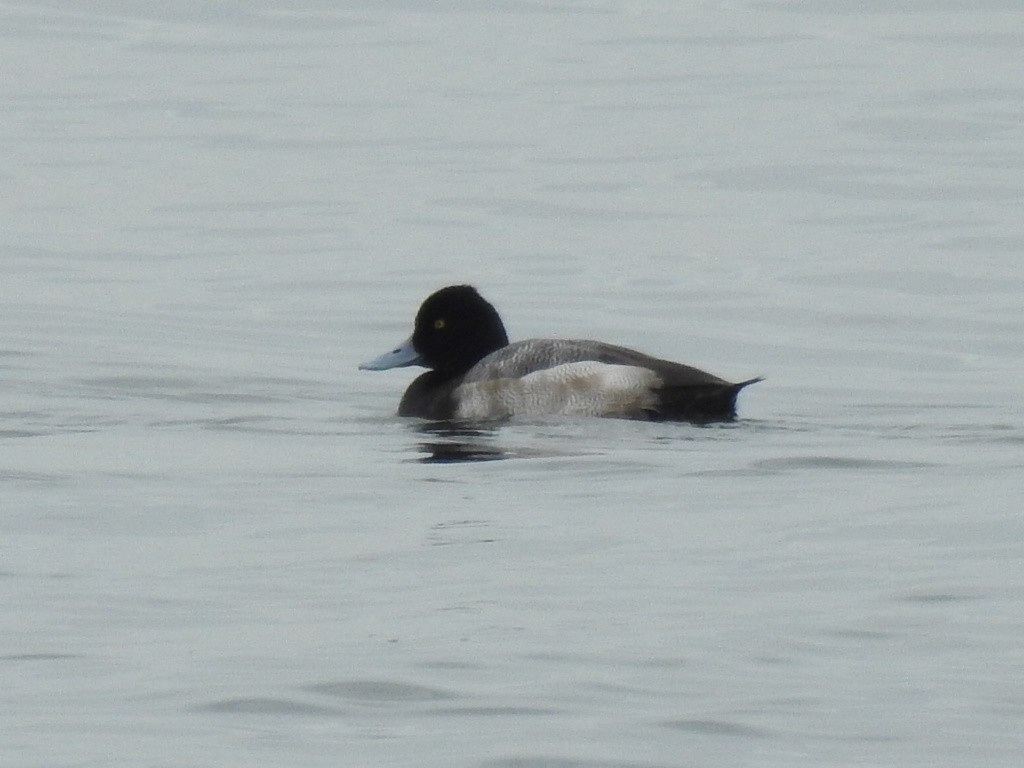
(430,396)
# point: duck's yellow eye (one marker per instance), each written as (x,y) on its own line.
(438,324)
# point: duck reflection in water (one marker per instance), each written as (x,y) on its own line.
(447,443)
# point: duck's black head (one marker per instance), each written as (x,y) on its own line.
(456,328)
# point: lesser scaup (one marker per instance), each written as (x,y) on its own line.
(477,375)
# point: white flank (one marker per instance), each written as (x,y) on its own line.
(586,388)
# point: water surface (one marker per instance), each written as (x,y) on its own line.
(221,547)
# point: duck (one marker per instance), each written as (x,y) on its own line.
(476,375)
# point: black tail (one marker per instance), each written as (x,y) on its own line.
(699,403)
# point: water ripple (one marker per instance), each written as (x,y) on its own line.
(381,691)
(268,706)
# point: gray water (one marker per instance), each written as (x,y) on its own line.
(220,547)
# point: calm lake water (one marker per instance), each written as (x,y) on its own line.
(220,547)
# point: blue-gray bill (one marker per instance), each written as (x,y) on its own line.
(403,355)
